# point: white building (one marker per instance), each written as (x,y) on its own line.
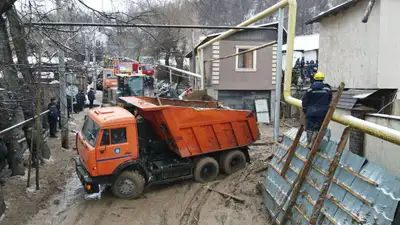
(306,46)
(363,55)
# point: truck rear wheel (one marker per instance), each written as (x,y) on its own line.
(232,161)
(206,170)
(129,184)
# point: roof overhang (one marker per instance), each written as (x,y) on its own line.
(332,11)
(273,25)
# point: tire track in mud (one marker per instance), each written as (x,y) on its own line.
(102,213)
(191,214)
(81,213)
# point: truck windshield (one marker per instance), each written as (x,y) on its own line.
(135,86)
(147,68)
(90,131)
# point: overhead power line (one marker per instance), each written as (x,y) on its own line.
(145,25)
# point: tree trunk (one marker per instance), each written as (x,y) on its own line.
(11,85)
(29,92)
(167,56)
(14,148)
(18,36)
(5,5)
(2,204)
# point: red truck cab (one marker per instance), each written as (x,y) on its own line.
(147,69)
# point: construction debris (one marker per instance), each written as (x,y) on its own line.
(227,195)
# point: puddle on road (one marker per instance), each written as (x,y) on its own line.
(71,195)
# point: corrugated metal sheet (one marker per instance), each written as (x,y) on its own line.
(350,97)
(361,192)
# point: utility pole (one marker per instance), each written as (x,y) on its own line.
(278,79)
(38,125)
(94,58)
(63,88)
(194,59)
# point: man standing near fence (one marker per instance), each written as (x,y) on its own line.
(315,105)
(3,157)
(91,97)
(53,117)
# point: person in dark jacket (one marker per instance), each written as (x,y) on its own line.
(59,115)
(3,153)
(315,105)
(80,101)
(53,117)
(69,105)
(91,97)
(3,157)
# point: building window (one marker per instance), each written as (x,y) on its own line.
(246,61)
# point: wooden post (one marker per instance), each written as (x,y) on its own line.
(368,11)
(292,150)
(38,125)
(315,147)
(332,169)
(28,182)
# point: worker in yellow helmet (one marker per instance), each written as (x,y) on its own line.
(315,105)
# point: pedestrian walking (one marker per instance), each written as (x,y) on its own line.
(315,105)
(91,97)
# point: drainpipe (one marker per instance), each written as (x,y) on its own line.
(278,76)
(367,127)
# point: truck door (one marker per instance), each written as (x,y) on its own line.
(113,150)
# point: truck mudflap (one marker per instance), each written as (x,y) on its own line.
(89,184)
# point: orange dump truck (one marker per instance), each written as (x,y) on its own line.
(158,141)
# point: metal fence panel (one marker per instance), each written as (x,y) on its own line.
(361,192)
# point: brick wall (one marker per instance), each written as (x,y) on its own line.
(356,144)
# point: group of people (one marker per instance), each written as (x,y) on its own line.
(306,69)
(54,109)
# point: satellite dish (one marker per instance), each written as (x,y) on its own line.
(72,90)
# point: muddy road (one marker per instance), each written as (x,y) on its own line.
(185,203)
(62,201)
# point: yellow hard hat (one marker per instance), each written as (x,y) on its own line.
(319,76)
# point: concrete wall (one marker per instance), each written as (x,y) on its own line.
(349,48)
(381,152)
(337,128)
(389,45)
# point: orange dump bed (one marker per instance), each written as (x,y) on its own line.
(197,127)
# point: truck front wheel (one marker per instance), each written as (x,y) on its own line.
(206,170)
(232,161)
(128,184)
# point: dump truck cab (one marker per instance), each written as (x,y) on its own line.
(127,85)
(160,141)
(108,139)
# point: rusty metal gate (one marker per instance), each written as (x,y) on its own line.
(359,193)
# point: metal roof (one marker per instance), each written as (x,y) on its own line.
(332,11)
(305,43)
(350,97)
(360,193)
(211,36)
